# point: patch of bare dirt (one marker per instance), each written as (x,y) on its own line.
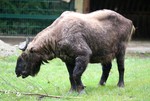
(6,49)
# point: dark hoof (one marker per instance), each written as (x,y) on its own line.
(102,83)
(75,91)
(80,89)
(72,90)
(120,84)
(82,92)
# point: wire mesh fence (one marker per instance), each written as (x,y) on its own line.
(27,17)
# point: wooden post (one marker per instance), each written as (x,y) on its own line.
(86,6)
(79,6)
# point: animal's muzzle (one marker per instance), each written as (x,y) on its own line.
(24,74)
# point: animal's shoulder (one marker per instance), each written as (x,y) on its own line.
(72,15)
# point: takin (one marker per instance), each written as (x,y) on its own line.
(78,39)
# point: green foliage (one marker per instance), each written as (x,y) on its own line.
(25,26)
(53,80)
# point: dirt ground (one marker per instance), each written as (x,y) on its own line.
(6,49)
(9,45)
(139,47)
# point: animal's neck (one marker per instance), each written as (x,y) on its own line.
(44,43)
(48,45)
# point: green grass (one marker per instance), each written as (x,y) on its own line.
(53,80)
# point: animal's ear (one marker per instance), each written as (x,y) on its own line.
(23,45)
(32,50)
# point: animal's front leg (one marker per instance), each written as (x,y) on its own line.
(76,48)
(70,68)
(80,66)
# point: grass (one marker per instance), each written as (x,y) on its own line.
(53,80)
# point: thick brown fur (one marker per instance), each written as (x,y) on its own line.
(79,39)
(107,28)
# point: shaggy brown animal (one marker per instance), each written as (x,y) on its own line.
(78,39)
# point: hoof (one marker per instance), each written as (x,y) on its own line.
(72,91)
(120,84)
(75,91)
(102,83)
(80,89)
(82,92)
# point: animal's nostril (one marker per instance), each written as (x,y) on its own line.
(18,73)
(24,73)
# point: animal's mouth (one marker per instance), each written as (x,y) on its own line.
(24,74)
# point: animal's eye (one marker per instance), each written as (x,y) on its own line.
(33,50)
(24,55)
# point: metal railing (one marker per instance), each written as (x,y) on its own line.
(28,17)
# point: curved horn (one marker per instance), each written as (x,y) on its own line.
(23,45)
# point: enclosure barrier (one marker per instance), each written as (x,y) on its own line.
(28,17)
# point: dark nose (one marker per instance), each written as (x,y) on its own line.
(18,72)
(24,74)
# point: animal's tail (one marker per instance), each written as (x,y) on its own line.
(132,32)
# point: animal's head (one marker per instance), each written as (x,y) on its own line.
(29,62)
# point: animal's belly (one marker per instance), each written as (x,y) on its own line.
(102,59)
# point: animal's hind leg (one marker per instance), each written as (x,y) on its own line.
(121,69)
(105,73)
